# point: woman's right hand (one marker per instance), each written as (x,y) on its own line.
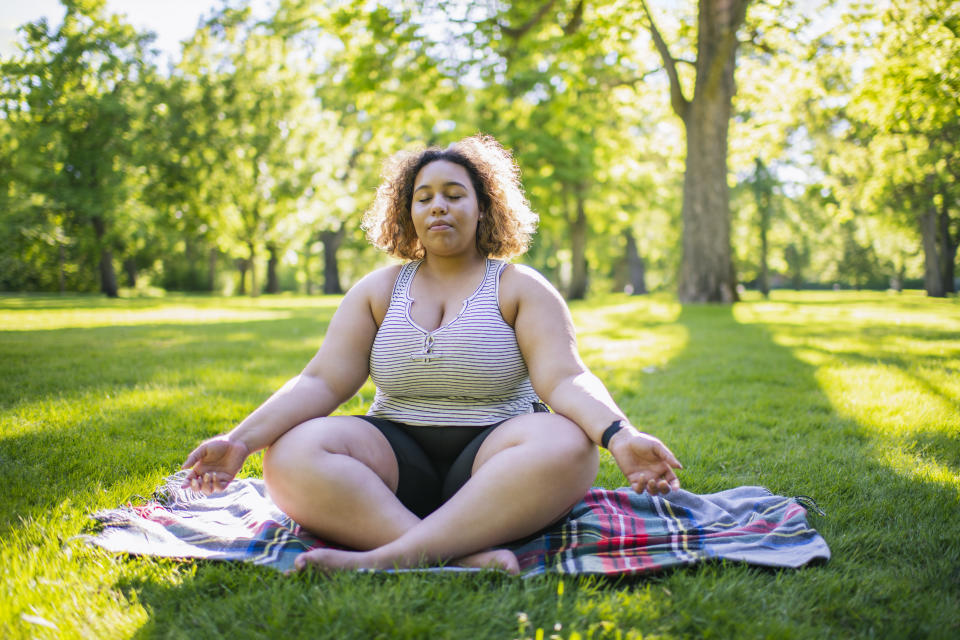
(214,464)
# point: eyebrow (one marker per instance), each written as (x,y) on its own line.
(452,183)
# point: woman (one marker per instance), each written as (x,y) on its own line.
(456,455)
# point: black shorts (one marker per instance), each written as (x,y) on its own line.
(434,462)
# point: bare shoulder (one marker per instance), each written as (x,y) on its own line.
(375,289)
(522,286)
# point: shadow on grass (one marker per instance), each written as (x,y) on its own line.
(739,408)
(87,409)
(736,406)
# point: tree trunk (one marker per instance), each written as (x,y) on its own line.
(707,272)
(578,248)
(212,269)
(252,264)
(242,268)
(273,280)
(108,276)
(948,248)
(764,268)
(130,269)
(636,267)
(331,269)
(61,267)
(307,259)
(932,266)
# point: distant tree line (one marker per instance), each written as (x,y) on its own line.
(727,143)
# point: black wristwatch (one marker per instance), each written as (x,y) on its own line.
(609,432)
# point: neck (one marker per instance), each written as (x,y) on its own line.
(451,266)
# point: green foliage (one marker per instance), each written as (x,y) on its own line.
(70,101)
(850,398)
(890,126)
(260,148)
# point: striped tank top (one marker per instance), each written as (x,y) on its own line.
(468,372)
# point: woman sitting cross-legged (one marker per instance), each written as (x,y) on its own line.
(456,456)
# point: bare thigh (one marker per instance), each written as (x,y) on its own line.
(337,477)
(546,432)
(305,444)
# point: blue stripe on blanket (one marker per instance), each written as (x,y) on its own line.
(610,532)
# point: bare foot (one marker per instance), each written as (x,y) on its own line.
(335,560)
(327,560)
(501,559)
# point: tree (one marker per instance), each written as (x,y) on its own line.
(761,183)
(72,100)
(265,145)
(907,110)
(707,271)
(887,127)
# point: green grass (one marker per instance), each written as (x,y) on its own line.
(852,398)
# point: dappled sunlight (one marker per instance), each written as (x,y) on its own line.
(85,318)
(637,334)
(919,468)
(889,364)
(47,313)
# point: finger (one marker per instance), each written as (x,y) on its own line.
(652,487)
(667,456)
(194,456)
(208,482)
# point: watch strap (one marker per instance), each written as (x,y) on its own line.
(609,432)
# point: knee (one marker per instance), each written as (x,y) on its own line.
(294,449)
(570,445)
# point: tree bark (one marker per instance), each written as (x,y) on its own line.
(578,245)
(108,276)
(273,280)
(707,272)
(307,259)
(130,269)
(61,268)
(636,267)
(212,269)
(242,268)
(948,254)
(932,273)
(252,264)
(331,270)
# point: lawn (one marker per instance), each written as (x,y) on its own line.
(851,398)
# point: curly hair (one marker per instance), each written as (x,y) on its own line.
(503,230)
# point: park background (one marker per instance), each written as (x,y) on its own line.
(802,144)
(176,229)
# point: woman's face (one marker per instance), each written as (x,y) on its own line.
(444,209)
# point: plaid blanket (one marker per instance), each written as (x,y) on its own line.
(611,532)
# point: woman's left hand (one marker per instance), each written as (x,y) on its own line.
(646,461)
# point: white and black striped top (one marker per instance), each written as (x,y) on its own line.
(468,372)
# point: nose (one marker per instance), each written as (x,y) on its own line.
(438,205)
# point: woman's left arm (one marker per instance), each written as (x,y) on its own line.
(548,343)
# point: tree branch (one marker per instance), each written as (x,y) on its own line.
(677,100)
(576,20)
(518,32)
(727,46)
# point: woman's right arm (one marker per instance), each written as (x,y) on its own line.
(333,375)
